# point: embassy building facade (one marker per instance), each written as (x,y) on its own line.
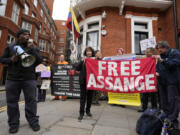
(107,25)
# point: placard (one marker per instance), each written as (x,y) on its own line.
(65,81)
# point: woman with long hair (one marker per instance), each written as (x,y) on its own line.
(85,95)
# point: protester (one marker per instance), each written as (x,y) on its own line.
(97,94)
(61,61)
(84,93)
(42,92)
(146,96)
(21,78)
(168,70)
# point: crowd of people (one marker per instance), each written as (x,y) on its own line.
(26,79)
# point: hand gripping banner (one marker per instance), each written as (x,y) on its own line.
(126,76)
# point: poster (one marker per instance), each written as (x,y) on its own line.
(148,43)
(65,81)
(45,84)
(124,99)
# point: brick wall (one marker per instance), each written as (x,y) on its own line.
(119,28)
(61,27)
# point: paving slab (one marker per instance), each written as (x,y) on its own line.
(107,130)
(74,123)
(58,130)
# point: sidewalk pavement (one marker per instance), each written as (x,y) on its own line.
(60,118)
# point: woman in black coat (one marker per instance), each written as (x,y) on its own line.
(88,53)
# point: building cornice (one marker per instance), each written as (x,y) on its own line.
(130,16)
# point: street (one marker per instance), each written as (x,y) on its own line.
(60,118)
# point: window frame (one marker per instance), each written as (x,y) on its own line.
(3,8)
(25,25)
(42,45)
(26,9)
(11,37)
(35,3)
(140,19)
(84,25)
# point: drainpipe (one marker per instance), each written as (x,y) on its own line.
(175,24)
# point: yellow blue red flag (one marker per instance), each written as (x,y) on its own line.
(72,16)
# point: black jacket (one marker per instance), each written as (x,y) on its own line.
(15,70)
(82,68)
(169,68)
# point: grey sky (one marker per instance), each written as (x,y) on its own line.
(61,9)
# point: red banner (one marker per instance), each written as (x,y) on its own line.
(126,76)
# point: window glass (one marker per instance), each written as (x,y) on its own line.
(15,13)
(3,7)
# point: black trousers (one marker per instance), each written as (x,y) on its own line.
(13,91)
(169,96)
(85,98)
(145,99)
(41,94)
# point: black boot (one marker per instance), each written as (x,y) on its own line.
(80,117)
(89,114)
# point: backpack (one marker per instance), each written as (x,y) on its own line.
(174,132)
(150,122)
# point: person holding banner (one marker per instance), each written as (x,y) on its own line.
(97,94)
(152,95)
(61,61)
(21,78)
(168,70)
(85,95)
(42,92)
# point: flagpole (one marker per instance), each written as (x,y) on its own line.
(72,23)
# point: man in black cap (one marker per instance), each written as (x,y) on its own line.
(21,78)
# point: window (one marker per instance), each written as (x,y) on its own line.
(93,25)
(90,34)
(63,23)
(36,35)
(10,39)
(41,13)
(3,7)
(15,13)
(42,45)
(61,40)
(35,3)
(141,28)
(62,32)
(61,49)
(27,26)
(26,9)
(138,37)
(45,19)
(33,15)
(92,39)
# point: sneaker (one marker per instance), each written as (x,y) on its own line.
(89,114)
(13,129)
(80,117)
(35,127)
